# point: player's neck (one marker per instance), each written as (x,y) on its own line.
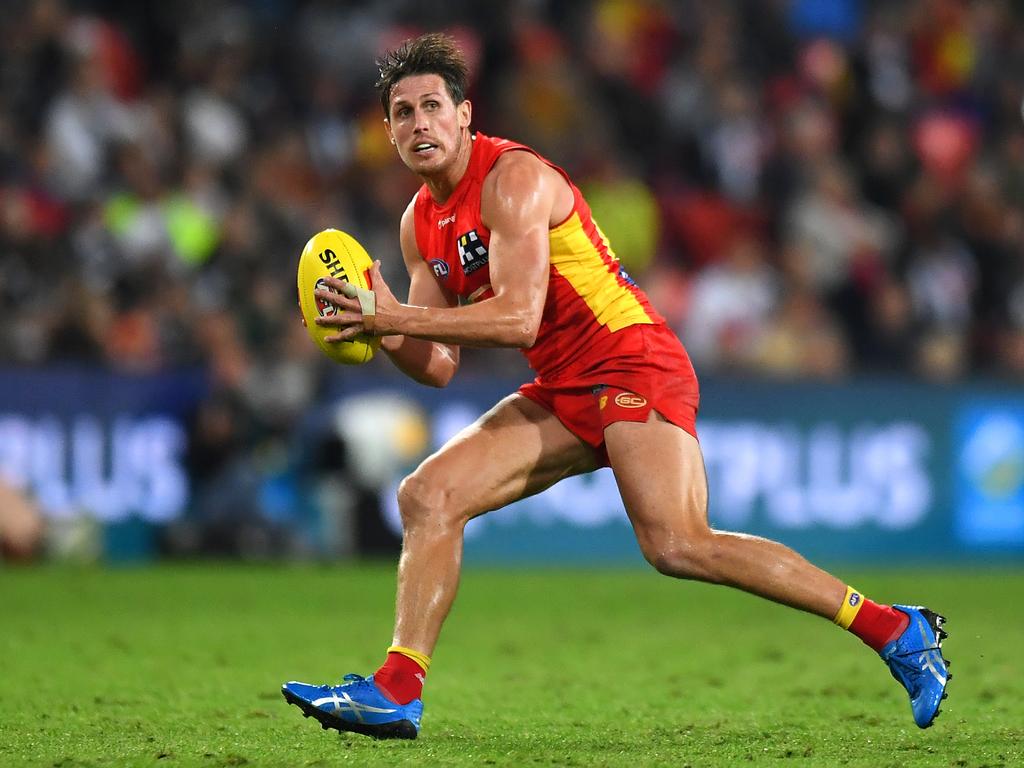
(443,183)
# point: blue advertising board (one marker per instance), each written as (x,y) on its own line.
(990,474)
(865,470)
(86,442)
(884,471)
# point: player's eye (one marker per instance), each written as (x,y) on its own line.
(431,105)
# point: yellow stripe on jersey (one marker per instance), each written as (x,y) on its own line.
(579,261)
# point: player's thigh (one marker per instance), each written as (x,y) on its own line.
(659,469)
(516,449)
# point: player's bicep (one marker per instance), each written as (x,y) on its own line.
(516,206)
(519,261)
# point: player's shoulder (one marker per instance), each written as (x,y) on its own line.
(407,224)
(516,159)
(515,173)
(410,209)
(416,207)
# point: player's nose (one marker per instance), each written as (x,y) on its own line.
(421,122)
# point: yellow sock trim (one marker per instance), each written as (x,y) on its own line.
(848,611)
(420,658)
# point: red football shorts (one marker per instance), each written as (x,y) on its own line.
(647,369)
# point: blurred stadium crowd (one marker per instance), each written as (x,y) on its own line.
(805,187)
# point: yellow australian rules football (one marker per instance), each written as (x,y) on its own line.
(333,253)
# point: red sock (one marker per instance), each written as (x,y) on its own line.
(400,678)
(877,625)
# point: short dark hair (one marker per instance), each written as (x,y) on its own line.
(432,54)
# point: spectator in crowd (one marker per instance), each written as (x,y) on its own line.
(731,303)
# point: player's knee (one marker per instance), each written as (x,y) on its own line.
(417,498)
(691,558)
(424,499)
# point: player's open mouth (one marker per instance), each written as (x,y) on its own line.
(424,148)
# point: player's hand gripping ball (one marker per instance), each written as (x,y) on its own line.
(333,253)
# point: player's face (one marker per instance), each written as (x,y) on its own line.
(425,124)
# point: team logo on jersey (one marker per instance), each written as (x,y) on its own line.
(472,252)
(629,400)
(440,267)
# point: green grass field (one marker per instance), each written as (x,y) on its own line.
(181,666)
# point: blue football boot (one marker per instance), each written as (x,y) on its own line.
(915,659)
(358,705)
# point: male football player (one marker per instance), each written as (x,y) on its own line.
(502,251)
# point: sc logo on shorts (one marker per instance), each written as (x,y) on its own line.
(629,400)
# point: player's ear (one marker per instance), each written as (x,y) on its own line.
(465,113)
(387,129)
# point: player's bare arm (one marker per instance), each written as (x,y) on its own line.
(520,198)
(429,362)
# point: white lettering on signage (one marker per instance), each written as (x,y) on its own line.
(108,471)
(825,475)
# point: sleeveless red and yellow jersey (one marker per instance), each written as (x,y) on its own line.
(590,296)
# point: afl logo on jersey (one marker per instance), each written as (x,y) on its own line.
(472,252)
(440,267)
